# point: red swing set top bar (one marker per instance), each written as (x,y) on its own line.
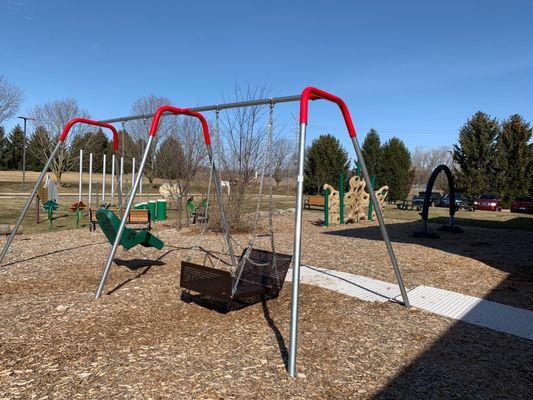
(312,93)
(179,111)
(87,121)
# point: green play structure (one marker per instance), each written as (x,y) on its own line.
(109,223)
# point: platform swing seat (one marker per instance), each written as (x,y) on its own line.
(109,223)
(256,275)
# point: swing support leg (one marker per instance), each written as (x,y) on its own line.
(28,202)
(129,205)
(311,93)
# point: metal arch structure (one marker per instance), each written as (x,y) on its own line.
(312,93)
(153,130)
(429,189)
(427,202)
(60,142)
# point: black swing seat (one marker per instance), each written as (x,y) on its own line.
(259,278)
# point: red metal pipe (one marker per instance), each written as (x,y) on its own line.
(74,121)
(180,111)
(312,93)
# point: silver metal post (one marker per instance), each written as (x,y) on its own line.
(120,188)
(132,171)
(28,202)
(81,176)
(103,178)
(90,179)
(223,219)
(112,179)
(293,334)
(124,219)
(382,227)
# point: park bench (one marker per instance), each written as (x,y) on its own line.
(314,201)
(136,217)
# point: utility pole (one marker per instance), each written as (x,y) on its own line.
(24,152)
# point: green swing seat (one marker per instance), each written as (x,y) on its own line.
(109,223)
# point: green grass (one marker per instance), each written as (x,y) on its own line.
(483,219)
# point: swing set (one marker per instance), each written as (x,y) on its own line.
(256,273)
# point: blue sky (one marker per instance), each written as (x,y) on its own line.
(413,69)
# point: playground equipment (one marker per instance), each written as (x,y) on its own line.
(53,155)
(356,202)
(309,93)
(257,274)
(109,223)
(116,180)
(451,227)
(50,206)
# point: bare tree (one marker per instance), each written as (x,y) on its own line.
(282,159)
(10,99)
(425,161)
(180,156)
(52,118)
(240,146)
(138,132)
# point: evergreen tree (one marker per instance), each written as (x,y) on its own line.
(530,170)
(372,154)
(100,145)
(36,149)
(80,142)
(13,156)
(395,170)
(3,148)
(96,143)
(513,159)
(475,155)
(325,160)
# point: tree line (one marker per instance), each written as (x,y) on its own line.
(490,156)
(389,163)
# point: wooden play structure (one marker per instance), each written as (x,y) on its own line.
(356,202)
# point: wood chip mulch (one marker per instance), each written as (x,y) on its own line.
(140,340)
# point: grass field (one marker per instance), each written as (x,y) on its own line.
(10,182)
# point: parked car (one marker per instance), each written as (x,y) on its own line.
(445,200)
(522,205)
(488,202)
(418,200)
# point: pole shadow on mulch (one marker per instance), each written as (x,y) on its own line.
(467,361)
(51,253)
(283,351)
(136,264)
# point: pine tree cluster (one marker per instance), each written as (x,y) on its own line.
(495,157)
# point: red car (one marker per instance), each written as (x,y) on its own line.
(522,205)
(488,202)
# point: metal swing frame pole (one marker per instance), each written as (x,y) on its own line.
(293,334)
(30,199)
(379,215)
(311,93)
(153,129)
(122,225)
(60,142)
